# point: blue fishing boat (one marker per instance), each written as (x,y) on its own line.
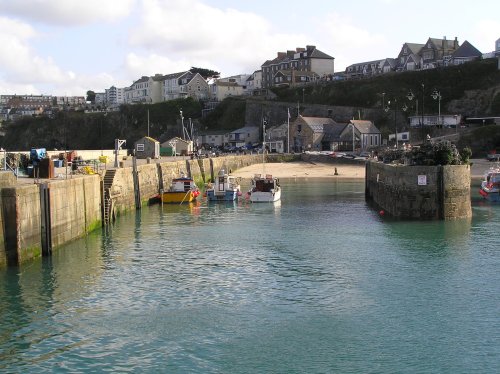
(226,187)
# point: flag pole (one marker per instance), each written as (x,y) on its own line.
(288,132)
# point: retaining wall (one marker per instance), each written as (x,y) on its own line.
(420,192)
(75,205)
(22,229)
(75,208)
(7,179)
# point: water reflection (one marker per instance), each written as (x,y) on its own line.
(232,288)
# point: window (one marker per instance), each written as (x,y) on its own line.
(140,147)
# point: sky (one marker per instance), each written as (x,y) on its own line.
(67,47)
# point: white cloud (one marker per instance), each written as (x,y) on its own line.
(68,12)
(234,41)
(484,34)
(350,43)
(22,70)
(137,66)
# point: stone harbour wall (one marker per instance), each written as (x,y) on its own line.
(420,192)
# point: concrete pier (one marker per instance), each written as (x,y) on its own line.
(40,217)
(420,192)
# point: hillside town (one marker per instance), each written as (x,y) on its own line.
(294,68)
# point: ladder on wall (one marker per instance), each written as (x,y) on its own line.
(108,179)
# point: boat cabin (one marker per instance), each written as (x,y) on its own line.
(265,184)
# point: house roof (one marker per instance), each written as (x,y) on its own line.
(466,50)
(309,52)
(414,47)
(175,75)
(176,139)
(148,138)
(141,80)
(318,124)
(316,53)
(332,132)
(244,129)
(367,64)
(438,43)
(365,127)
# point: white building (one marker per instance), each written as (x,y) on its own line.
(184,84)
(146,90)
(114,96)
(445,120)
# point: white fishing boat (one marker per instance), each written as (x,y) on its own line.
(225,188)
(264,187)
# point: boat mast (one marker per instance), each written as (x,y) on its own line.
(263,147)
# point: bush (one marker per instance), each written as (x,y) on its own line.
(428,154)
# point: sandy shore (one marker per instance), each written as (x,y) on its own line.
(327,170)
(303,170)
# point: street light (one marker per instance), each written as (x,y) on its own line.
(436,95)
(395,123)
(423,102)
(410,96)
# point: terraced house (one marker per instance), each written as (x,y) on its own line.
(303,65)
(414,56)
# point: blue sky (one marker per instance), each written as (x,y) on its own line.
(66,47)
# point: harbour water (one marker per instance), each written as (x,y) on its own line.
(317,283)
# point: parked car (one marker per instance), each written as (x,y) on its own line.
(337,154)
(493,157)
(349,155)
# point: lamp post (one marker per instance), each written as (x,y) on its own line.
(423,102)
(436,95)
(395,123)
(383,100)
(303,95)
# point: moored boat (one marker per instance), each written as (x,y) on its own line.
(226,187)
(490,186)
(265,189)
(182,190)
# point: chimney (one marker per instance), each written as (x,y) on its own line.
(300,49)
(281,54)
(455,43)
(444,42)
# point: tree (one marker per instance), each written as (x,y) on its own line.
(91,96)
(205,73)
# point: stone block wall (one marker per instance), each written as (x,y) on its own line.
(22,223)
(75,204)
(456,199)
(75,208)
(122,191)
(420,192)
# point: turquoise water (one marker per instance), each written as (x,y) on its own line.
(319,283)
